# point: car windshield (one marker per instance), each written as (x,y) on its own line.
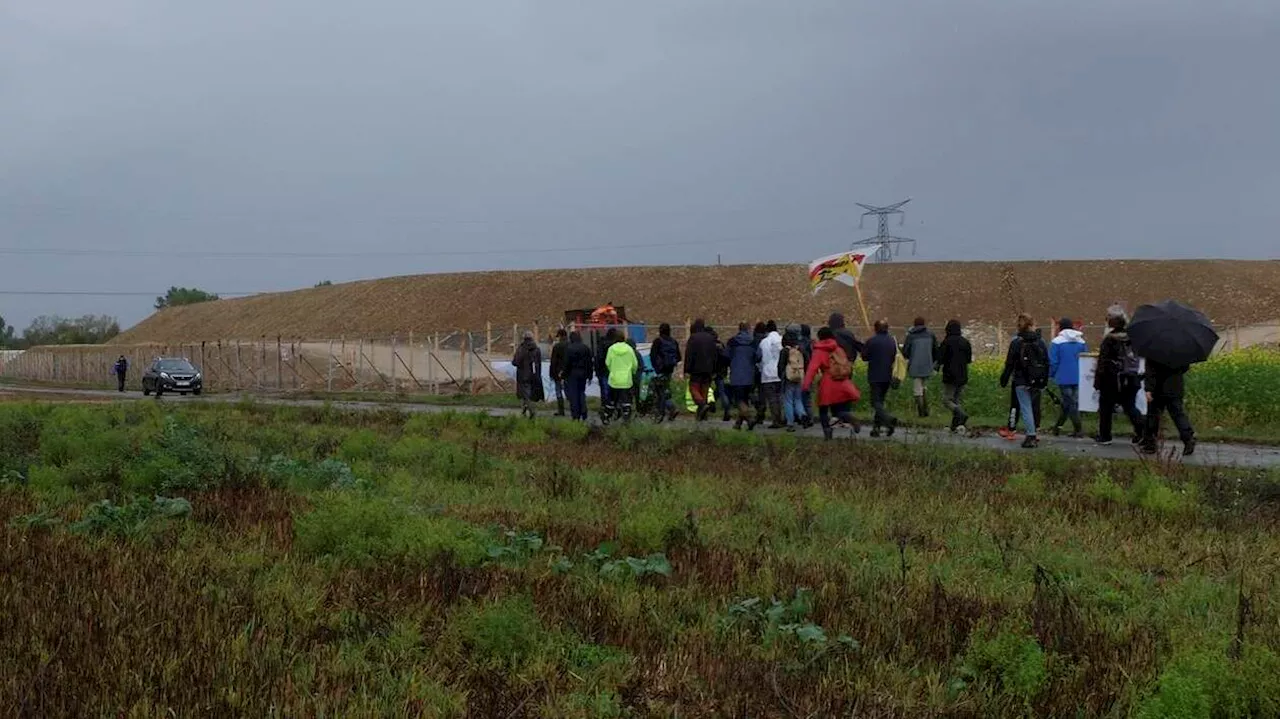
(175,366)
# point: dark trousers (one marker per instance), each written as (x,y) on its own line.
(952,399)
(881,417)
(660,388)
(576,388)
(842,412)
(560,395)
(742,400)
(771,400)
(1127,397)
(1070,396)
(120,381)
(1172,404)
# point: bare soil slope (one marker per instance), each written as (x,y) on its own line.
(987,292)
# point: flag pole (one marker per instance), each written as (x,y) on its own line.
(862,304)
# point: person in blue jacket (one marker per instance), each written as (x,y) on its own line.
(1064,369)
(742,374)
(880,352)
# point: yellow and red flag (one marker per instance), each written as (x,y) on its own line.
(845,268)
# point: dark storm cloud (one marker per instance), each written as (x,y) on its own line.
(1023,130)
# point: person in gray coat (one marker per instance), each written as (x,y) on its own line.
(920,348)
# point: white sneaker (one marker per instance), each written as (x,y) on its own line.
(960,430)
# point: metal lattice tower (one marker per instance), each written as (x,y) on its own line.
(890,245)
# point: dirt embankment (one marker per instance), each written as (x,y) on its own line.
(1230,292)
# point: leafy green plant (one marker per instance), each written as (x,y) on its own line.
(1011,661)
(1209,685)
(1104,490)
(636,568)
(506,632)
(517,547)
(132,518)
(362,530)
(1025,485)
(1152,493)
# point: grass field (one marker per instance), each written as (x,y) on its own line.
(245,560)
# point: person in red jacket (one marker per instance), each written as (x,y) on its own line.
(836,391)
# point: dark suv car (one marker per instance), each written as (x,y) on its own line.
(172,375)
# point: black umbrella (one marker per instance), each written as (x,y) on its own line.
(1172,334)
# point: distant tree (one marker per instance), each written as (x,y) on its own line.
(55,330)
(7,338)
(324,283)
(177,296)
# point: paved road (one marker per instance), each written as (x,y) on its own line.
(1208,454)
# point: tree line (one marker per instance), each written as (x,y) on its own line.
(87,329)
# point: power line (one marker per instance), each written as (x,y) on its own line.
(108,293)
(236,254)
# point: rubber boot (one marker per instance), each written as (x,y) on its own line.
(828,433)
(560,407)
(921,407)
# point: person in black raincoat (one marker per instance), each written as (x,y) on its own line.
(558,351)
(578,368)
(528,363)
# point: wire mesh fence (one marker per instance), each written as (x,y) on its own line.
(447,362)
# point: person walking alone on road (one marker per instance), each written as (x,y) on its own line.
(1165,389)
(880,352)
(836,392)
(558,351)
(528,363)
(121,369)
(701,362)
(578,367)
(622,364)
(1027,364)
(767,356)
(955,356)
(920,348)
(1118,379)
(1064,369)
(664,355)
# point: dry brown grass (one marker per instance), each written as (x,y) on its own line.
(989,292)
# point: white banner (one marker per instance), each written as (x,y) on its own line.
(1089,396)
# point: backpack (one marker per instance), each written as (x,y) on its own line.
(794,371)
(1033,360)
(664,359)
(1129,364)
(839,367)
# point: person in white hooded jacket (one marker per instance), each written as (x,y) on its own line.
(1064,369)
(767,356)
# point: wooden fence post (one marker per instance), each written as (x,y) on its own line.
(462,356)
(359,364)
(413,368)
(395,388)
(328,382)
(435,354)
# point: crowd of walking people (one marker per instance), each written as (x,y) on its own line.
(778,375)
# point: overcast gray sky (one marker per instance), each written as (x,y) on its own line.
(1024,130)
